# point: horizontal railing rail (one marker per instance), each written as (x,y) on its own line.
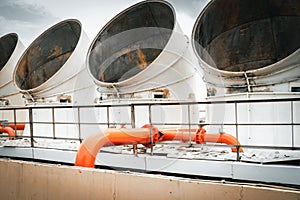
(30,120)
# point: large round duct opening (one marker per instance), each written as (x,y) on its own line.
(8,44)
(238,36)
(131,41)
(47,54)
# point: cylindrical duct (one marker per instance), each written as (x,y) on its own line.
(143,49)
(248,46)
(53,65)
(11,49)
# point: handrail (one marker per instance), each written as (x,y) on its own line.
(156,103)
(153,103)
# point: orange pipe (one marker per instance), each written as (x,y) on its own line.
(223,138)
(179,135)
(18,126)
(89,148)
(9,131)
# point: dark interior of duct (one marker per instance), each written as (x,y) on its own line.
(245,35)
(47,54)
(131,41)
(8,44)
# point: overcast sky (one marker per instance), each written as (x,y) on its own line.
(29,18)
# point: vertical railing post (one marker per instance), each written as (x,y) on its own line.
(79,124)
(292,123)
(31,127)
(132,116)
(15,122)
(107,116)
(133,126)
(189,121)
(53,123)
(150,126)
(236,132)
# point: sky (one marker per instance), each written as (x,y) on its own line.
(30,18)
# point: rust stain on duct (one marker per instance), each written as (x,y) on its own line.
(128,53)
(246,35)
(141,63)
(130,56)
(117,60)
(47,54)
(35,53)
(122,52)
(55,52)
(22,69)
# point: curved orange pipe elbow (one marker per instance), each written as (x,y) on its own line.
(223,138)
(9,131)
(89,148)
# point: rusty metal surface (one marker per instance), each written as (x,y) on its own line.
(119,52)
(7,46)
(47,54)
(241,35)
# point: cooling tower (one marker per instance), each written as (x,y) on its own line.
(143,49)
(249,46)
(52,67)
(250,50)
(11,49)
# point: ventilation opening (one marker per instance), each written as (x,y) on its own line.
(295,89)
(159,96)
(131,42)
(245,35)
(47,54)
(8,44)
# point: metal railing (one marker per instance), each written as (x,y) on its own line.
(292,123)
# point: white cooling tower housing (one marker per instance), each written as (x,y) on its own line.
(251,50)
(249,46)
(11,49)
(282,76)
(52,67)
(143,49)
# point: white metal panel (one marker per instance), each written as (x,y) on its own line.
(267,173)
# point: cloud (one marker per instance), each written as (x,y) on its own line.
(21,11)
(29,18)
(25,19)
